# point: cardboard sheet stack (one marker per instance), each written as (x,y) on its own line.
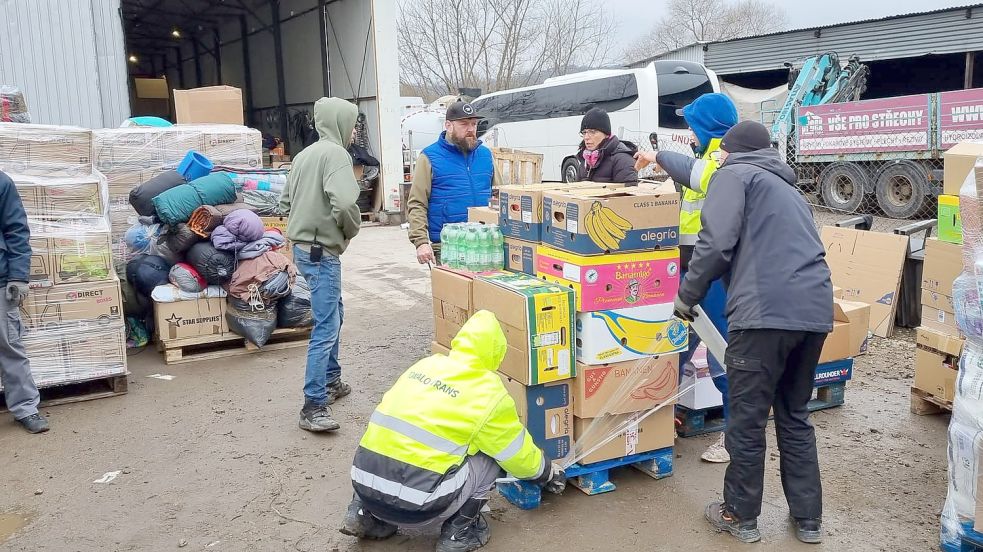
(963,511)
(131,156)
(939,340)
(73,318)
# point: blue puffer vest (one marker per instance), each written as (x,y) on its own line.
(458,182)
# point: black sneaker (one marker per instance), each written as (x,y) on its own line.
(317,418)
(35,423)
(362,524)
(337,390)
(466,530)
(809,531)
(722,520)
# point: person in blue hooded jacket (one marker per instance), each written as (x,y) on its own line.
(709,117)
(452,174)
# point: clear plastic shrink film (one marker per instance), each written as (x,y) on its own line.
(131,156)
(966,426)
(72,319)
(13,106)
(45,150)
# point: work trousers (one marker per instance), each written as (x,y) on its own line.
(772,369)
(19,390)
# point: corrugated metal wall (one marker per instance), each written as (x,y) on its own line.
(931,33)
(693,52)
(68,58)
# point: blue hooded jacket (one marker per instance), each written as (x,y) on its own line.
(710,116)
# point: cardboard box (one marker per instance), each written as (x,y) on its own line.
(624,387)
(195,318)
(42,273)
(452,304)
(613,281)
(73,199)
(943,263)
(150,88)
(940,321)
(521,206)
(629,334)
(833,372)
(837,292)
(68,355)
(935,373)
(584,221)
(483,215)
(868,266)
(547,413)
(56,306)
(45,149)
(85,257)
(944,343)
(32,196)
(655,432)
(938,301)
(959,161)
(538,321)
(438,349)
(280,224)
(950,222)
(209,104)
(850,330)
(521,256)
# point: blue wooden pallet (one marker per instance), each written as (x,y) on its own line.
(592,478)
(969,540)
(690,423)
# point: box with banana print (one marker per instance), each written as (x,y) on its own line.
(622,335)
(615,281)
(598,221)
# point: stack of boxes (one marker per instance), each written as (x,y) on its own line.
(72,319)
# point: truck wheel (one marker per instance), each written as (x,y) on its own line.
(842,186)
(571,170)
(902,189)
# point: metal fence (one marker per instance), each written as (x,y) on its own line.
(884,176)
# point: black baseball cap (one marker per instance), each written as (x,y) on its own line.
(462,110)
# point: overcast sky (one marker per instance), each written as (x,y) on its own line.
(634,17)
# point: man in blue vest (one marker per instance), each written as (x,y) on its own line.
(452,174)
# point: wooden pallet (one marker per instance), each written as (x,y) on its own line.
(690,423)
(211,347)
(969,539)
(924,403)
(366,217)
(593,478)
(516,167)
(89,390)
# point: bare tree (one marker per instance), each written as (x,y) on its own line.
(690,21)
(497,44)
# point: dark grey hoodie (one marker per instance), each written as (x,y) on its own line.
(758,234)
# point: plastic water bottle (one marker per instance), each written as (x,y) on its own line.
(446,243)
(472,250)
(485,258)
(499,245)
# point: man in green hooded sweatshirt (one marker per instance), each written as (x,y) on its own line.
(320,201)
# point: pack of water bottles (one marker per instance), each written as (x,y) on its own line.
(472,246)
(963,512)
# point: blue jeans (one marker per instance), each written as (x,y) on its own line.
(714,304)
(324,279)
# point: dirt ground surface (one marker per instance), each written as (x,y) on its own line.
(213,459)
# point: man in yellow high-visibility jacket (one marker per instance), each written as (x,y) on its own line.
(709,117)
(438,440)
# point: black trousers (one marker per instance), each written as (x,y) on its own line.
(765,369)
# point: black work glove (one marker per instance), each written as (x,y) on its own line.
(682,310)
(557,481)
(16,292)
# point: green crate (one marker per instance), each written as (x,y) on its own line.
(950,223)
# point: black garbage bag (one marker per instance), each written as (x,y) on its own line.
(179,238)
(141,197)
(294,310)
(255,324)
(216,266)
(146,272)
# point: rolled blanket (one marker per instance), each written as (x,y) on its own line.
(176,204)
(207,218)
(142,197)
(239,228)
(271,240)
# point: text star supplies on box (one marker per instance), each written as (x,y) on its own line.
(538,321)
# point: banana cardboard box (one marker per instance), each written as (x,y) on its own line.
(613,281)
(624,387)
(599,221)
(654,432)
(521,256)
(521,207)
(538,320)
(547,412)
(629,334)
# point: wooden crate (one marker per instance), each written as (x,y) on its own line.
(517,167)
(211,347)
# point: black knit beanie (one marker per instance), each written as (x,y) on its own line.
(746,136)
(596,119)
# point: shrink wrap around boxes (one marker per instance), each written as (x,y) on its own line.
(45,150)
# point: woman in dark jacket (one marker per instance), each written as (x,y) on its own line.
(603,157)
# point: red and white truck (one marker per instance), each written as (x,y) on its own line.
(890,148)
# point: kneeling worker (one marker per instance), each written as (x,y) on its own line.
(437,442)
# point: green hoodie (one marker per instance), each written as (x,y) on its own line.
(321,189)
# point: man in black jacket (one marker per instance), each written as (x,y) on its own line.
(15,264)
(758,234)
(602,156)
